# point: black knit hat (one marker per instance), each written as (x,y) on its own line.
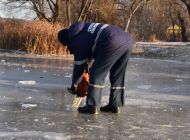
(63,36)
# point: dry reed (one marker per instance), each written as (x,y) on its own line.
(34,37)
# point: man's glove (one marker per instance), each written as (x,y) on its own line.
(72,90)
(82,87)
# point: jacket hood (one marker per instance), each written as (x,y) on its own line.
(75,29)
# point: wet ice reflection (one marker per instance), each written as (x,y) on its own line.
(157,102)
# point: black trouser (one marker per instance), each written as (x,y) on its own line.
(116,64)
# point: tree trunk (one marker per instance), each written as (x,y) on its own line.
(187,4)
(128,22)
(173,32)
(83,7)
(68,11)
(183,28)
(90,5)
(173,24)
(133,9)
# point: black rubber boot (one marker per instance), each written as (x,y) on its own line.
(109,108)
(87,109)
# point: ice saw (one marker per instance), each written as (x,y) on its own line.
(81,90)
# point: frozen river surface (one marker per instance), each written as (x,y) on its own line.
(35,105)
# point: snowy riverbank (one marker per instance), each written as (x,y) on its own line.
(162,49)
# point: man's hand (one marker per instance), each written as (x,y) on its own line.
(81,89)
(72,90)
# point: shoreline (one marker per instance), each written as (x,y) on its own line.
(141,49)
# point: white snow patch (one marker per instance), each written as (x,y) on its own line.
(29,105)
(3,61)
(95,126)
(68,75)
(36,120)
(144,87)
(179,80)
(44,119)
(132,136)
(29,82)
(51,124)
(28,98)
(44,71)
(81,128)
(166,125)
(68,107)
(45,135)
(26,71)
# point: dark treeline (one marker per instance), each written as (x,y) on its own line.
(147,20)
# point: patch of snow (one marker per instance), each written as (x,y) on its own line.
(28,98)
(179,80)
(26,71)
(68,75)
(51,124)
(80,127)
(94,126)
(146,87)
(132,136)
(36,120)
(44,71)
(23,66)
(44,119)
(30,82)
(33,134)
(29,105)
(167,125)
(3,61)
(68,107)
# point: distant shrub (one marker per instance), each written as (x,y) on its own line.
(35,37)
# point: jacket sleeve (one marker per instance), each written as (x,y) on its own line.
(78,70)
(79,51)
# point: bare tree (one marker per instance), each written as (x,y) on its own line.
(81,11)
(187,4)
(133,8)
(86,5)
(68,11)
(183,27)
(51,10)
(130,7)
(143,18)
(44,9)
(180,17)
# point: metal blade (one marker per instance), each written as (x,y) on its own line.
(76,102)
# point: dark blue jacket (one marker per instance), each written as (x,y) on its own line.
(86,39)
